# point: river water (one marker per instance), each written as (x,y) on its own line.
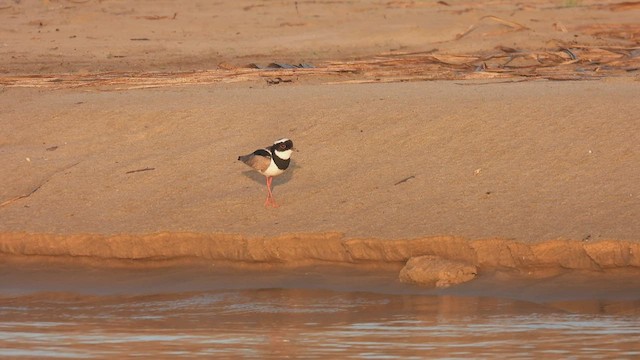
(60,311)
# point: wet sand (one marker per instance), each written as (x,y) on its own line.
(29,276)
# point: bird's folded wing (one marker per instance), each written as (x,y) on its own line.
(259,160)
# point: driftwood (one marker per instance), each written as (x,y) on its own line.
(565,62)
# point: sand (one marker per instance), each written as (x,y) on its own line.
(76,36)
(122,122)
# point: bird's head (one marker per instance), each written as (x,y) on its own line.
(283,148)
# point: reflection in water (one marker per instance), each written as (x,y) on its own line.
(279,323)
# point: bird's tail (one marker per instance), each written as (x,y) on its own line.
(244,158)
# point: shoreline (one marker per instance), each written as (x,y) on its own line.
(572,276)
(487,254)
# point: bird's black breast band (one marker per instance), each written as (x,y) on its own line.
(282,164)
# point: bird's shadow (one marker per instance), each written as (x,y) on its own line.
(282,179)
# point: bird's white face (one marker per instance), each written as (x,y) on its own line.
(283,148)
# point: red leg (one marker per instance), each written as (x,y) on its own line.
(268,201)
(271,201)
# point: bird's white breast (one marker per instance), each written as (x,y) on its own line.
(272,170)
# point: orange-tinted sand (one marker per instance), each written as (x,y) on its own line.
(121,124)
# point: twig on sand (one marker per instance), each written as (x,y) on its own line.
(570,53)
(405,180)
(139,170)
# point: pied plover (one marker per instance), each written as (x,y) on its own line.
(270,161)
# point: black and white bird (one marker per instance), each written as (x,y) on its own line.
(270,161)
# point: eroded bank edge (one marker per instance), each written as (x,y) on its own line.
(460,255)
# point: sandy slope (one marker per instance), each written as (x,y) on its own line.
(530,161)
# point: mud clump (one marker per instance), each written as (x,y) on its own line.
(432,270)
